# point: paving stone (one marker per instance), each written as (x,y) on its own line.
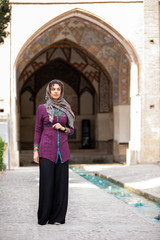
(92,213)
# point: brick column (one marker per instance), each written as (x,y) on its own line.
(150,85)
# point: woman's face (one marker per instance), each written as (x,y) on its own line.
(55,91)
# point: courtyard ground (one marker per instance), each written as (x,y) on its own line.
(92,213)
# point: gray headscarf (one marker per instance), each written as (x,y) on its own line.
(60,104)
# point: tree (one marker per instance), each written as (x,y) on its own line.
(5,16)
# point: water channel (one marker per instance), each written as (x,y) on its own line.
(143,205)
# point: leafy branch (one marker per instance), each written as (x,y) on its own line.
(5,17)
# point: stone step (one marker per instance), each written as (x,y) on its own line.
(84,156)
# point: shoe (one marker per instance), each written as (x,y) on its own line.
(57,223)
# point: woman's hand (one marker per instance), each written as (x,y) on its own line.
(36,157)
(58,126)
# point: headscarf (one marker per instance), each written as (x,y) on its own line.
(60,104)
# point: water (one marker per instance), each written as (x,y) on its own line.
(143,205)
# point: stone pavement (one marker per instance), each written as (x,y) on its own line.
(92,213)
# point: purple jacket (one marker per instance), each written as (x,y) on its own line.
(52,143)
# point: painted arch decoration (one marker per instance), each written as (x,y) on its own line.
(83,30)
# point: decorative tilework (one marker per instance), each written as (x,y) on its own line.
(89,38)
(115,77)
(123,81)
(104,94)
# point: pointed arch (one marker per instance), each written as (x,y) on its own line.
(79,14)
(90,33)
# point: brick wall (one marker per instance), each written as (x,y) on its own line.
(150,85)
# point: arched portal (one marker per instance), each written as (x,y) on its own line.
(97,61)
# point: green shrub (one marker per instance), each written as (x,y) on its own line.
(2,148)
(5,17)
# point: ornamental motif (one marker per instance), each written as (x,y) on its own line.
(97,43)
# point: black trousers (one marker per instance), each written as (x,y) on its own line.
(53,191)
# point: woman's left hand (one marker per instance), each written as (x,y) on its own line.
(58,126)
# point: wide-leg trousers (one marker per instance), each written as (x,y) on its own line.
(53,191)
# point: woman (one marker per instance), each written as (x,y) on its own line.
(54,121)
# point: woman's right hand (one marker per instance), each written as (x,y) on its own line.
(36,157)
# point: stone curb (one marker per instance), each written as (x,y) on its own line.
(140,192)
